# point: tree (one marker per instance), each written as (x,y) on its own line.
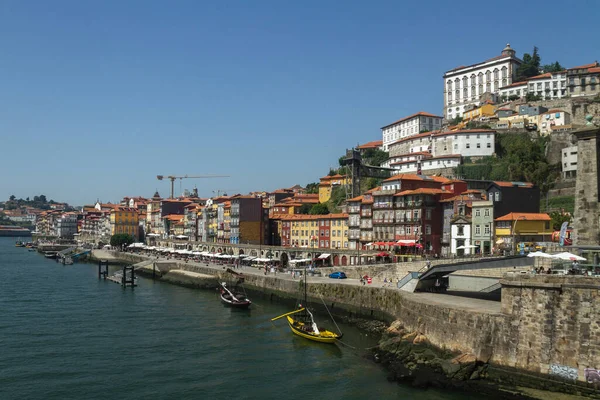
(312,188)
(533,97)
(121,240)
(558,218)
(513,97)
(42,198)
(319,209)
(456,120)
(554,67)
(304,209)
(375,156)
(12,197)
(530,66)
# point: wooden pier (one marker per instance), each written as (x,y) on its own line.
(125,278)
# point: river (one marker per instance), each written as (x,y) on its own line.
(65,334)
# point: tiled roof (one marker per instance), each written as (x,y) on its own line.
(420,191)
(592,65)
(407,177)
(357,198)
(514,84)
(542,76)
(173,217)
(524,217)
(371,145)
(419,114)
(594,70)
(500,57)
(525,185)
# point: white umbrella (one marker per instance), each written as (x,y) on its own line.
(460,248)
(568,256)
(539,254)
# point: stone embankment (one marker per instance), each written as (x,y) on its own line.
(544,334)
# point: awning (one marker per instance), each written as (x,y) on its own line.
(382,254)
(181,237)
(406,242)
(324,256)
(152,234)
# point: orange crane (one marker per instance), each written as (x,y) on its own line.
(172,178)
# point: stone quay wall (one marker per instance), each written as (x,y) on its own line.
(548,325)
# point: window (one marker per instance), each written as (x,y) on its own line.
(497,196)
(489,146)
(428,229)
(322,243)
(486,212)
(477,213)
(339,244)
(455,146)
(478,145)
(428,213)
(460,230)
(495,74)
(491,196)
(468,145)
(487,229)
(477,229)
(322,232)
(408,230)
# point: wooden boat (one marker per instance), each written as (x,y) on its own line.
(50,254)
(303,324)
(232,299)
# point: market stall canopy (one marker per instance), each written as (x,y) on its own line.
(539,254)
(568,256)
(324,256)
(382,254)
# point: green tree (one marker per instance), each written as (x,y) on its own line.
(42,198)
(558,218)
(312,188)
(533,97)
(530,66)
(554,67)
(375,157)
(513,97)
(456,120)
(304,208)
(121,240)
(12,197)
(319,209)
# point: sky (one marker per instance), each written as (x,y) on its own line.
(97,98)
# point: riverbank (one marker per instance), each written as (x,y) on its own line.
(470,329)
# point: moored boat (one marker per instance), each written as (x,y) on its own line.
(19,243)
(303,324)
(50,254)
(233,299)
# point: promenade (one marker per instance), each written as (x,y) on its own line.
(436,299)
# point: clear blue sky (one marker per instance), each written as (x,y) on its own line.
(97,98)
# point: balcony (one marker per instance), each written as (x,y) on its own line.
(383,204)
(388,192)
(366,214)
(353,223)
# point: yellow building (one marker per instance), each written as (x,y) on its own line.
(517,227)
(486,110)
(328,183)
(338,231)
(124,220)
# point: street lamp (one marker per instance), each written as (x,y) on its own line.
(513,233)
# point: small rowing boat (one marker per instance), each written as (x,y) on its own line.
(234,299)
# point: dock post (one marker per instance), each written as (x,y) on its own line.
(102,269)
(128,278)
(153,270)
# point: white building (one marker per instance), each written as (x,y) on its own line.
(409,126)
(460,235)
(435,150)
(569,162)
(514,89)
(552,119)
(552,85)
(66,226)
(463,86)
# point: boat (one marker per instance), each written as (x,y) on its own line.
(31,249)
(19,243)
(234,299)
(303,324)
(50,254)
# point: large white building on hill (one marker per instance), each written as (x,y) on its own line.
(410,126)
(464,86)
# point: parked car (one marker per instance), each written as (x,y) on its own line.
(338,275)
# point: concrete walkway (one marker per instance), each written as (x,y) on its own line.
(443,300)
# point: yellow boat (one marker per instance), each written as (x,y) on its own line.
(304,325)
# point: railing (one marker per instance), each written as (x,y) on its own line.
(409,277)
(366,214)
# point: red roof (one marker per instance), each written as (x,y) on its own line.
(421,191)
(542,76)
(592,65)
(594,70)
(513,216)
(371,145)
(419,114)
(525,185)
(515,84)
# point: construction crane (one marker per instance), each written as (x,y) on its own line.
(172,178)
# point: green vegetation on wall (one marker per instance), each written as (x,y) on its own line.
(517,158)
